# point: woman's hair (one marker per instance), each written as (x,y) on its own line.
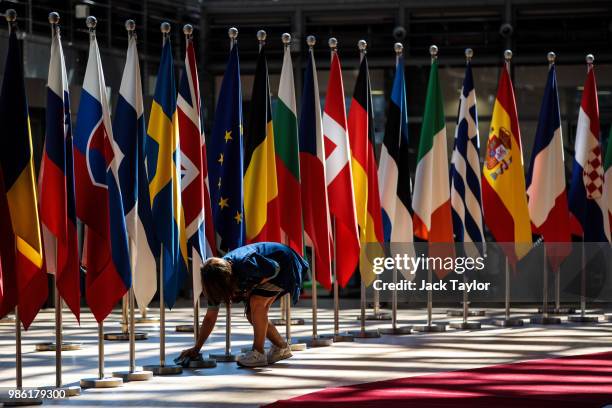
(217,280)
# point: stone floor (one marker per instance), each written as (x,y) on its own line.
(343,363)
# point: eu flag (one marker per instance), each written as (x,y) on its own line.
(225,159)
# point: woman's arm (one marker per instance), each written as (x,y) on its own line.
(208,324)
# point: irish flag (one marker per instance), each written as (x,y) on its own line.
(287,158)
(431,200)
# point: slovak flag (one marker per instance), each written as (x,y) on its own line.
(56,185)
(99,203)
(586,203)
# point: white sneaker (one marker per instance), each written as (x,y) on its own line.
(252,358)
(277,354)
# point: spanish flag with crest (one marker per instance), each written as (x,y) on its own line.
(504,194)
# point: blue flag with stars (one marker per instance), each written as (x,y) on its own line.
(225,159)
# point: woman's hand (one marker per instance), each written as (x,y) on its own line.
(190,352)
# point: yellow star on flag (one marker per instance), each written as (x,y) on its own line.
(228,135)
(219,183)
(238,217)
(220,159)
(223,202)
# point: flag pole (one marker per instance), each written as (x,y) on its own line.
(545,318)
(18,354)
(583,317)
(315,340)
(507,321)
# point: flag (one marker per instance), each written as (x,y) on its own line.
(547,204)
(393,171)
(56,185)
(364,172)
(17,165)
(193,186)
(315,206)
(261,210)
(8,277)
(586,203)
(504,197)
(431,201)
(129,132)
(163,157)
(98,197)
(225,168)
(286,143)
(339,177)
(466,203)
(608,186)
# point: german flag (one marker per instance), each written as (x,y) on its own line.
(260,183)
(365,179)
(17,168)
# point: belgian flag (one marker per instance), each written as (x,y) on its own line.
(17,168)
(260,183)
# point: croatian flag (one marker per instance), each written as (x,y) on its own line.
(56,185)
(129,131)
(546,178)
(99,203)
(586,204)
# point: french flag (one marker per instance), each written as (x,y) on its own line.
(586,202)
(99,202)
(547,204)
(56,185)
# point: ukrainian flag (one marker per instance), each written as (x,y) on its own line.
(163,167)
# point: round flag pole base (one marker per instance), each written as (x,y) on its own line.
(19,402)
(51,346)
(465,325)
(184,328)
(137,375)
(204,363)
(377,316)
(282,322)
(147,320)
(366,334)
(223,357)
(319,342)
(396,331)
(120,336)
(459,313)
(106,382)
(298,346)
(512,322)
(339,337)
(429,328)
(70,390)
(559,311)
(583,319)
(544,320)
(164,369)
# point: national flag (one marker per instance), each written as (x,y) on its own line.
(286,143)
(194,189)
(339,177)
(504,198)
(129,131)
(17,164)
(364,172)
(546,177)
(431,200)
(163,157)
(261,212)
(315,207)
(607,196)
(56,185)
(466,203)
(225,167)
(393,170)
(8,277)
(98,197)
(586,203)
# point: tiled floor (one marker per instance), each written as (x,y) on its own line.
(343,363)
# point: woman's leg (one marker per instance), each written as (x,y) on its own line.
(259,306)
(271,333)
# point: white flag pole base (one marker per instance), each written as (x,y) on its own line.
(106,382)
(319,342)
(509,322)
(70,390)
(163,369)
(465,325)
(121,336)
(471,313)
(184,328)
(429,328)
(51,346)
(137,375)
(366,334)
(545,320)
(396,331)
(376,316)
(339,337)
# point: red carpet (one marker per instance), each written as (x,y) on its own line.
(583,381)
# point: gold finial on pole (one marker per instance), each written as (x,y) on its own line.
(286,39)
(54,19)
(508,58)
(165,28)
(91,23)
(188,31)
(398,47)
(233,35)
(261,37)
(469,53)
(130,26)
(551,57)
(311,40)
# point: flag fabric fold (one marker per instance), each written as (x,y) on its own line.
(364,173)
(129,132)
(225,164)
(286,144)
(466,201)
(586,202)
(193,184)
(163,157)
(8,276)
(504,197)
(315,205)
(339,177)
(548,208)
(99,203)
(56,185)
(17,164)
(608,186)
